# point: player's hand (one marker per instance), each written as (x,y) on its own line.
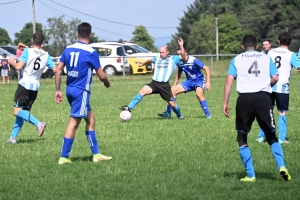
(207,85)
(140,64)
(180,41)
(58,97)
(107,84)
(226,110)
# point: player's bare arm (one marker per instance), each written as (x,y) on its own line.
(274,80)
(57,71)
(207,72)
(18,66)
(182,50)
(102,76)
(177,77)
(145,62)
(227,90)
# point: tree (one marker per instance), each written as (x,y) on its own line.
(4,37)
(25,35)
(142,38)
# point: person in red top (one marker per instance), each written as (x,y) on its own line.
(20,49)
(5,68)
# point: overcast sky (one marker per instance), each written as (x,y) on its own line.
(111,19)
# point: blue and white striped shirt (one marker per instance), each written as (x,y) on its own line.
(164,68)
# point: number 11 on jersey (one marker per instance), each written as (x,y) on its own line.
(72,61)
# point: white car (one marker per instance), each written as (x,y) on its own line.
(113,59)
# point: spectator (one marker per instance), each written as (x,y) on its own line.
(5,69)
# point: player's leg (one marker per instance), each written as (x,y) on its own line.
(282,101)
(200,87)
(244,120)
(147,89)
(265,119)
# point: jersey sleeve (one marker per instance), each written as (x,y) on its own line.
(232,69)
(295,61)
(198,63)
(176,60)
(94,60)
(50,64)
(273,68)
(154,59)
(24,56)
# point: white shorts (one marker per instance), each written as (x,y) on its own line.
(4,72)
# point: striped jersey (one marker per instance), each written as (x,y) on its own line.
(35,62)
(252,71)
(192,68)
(284,60)
(164,68)
(80,60)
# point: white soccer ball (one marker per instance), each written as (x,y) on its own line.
(125,115)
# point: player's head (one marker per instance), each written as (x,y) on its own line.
(179,52)
(266,45)
(284,38)
(84,30)
(37,39)
(164,52)
(249,42)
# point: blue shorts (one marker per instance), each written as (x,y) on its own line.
(191,85)
(79,101)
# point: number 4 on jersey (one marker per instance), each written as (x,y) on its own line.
(255,70)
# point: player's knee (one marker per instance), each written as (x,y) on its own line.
(241,138)
(271,137)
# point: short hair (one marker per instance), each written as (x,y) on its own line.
(4,54)
(38,38)
(249,41)
(266,40)
(84,30)
(285,38)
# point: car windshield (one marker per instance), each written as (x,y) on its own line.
(10,49)
(139,49)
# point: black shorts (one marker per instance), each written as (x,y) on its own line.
(282,101)
(254,105)
(162,88)
(24,98)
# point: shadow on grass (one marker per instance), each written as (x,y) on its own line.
(82,159)
(259,175)
(29,140)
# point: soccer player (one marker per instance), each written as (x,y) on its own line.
(80,60)
(284,60)
(34,60)
(192,67)
(254,87)
(164,66)
(267,46)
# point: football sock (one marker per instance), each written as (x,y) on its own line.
(247,161)
(24,114)
(261,133)
(135,100)
(91,137)
(17,127)
(282,127)
(177,111)
(169,108)
(278,154)
(66,147)
(204,106)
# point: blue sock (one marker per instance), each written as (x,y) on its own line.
(282,127)
(91,137)
(24,114)
(247,161)
(261,133)
(278,154)
(66,147)
(135,100)
(169,108)
(17,127)
(204,106)
(177,111)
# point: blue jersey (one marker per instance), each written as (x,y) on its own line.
(164,68)
(80,60)
(192,68)
(253,71)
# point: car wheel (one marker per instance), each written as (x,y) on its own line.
(110,70)
(130,72)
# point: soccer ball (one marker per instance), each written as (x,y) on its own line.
(125,115)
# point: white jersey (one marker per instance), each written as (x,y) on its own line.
(35,62)
(164,68)
(284,59)
(252,71)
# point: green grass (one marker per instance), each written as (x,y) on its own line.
(153,158)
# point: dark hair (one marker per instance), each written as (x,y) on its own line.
(184,46)
(84,30)
(38,39)
(285,38)
(266,40)
(249,41)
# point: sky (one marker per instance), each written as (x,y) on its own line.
(111,19)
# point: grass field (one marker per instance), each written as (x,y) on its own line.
(153,158)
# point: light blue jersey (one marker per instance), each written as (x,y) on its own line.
(284,60)
(80,60)
(253,71)
(164,68)
(35,62)
(192,68)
